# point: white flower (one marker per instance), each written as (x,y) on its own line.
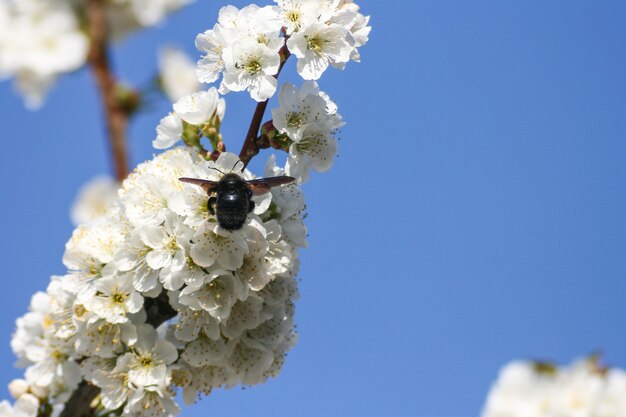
(290,201)
(249,361)
(212,43)
(250,65)
(114,298)
(297,14)
(245,46)
(150,358)
(155,402)
(213,245)
(279,257)
(204,351)
(30,327)
(147,202)
(300,108)
(52,364)
(274,332)
(315,150)
(216,296)
(98,338)
(94,199)
(169,131)
(132,258)
(319,45)
(170,244)
(92,246)
(192,322)
(360,30)
(111,376)
(255,272)
(146,194)
(245,315)
(198,108)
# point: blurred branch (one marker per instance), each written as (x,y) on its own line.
(115,112)
(250,146)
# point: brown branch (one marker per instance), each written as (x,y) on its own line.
(116,114)
(250,147)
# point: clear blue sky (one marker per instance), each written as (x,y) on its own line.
(476,214)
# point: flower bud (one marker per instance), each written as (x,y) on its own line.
(18,387)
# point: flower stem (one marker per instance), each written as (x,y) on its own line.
(250,147)
(115,113)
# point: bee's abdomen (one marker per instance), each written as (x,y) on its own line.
(232,210)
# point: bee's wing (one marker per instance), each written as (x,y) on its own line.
(264,185)
(206,185)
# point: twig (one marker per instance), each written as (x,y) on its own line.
(116,115)
(250,147)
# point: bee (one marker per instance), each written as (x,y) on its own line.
(230,198)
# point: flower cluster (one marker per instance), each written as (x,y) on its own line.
(531,389)
(304,125)
(42,39)
(232,294)
(248,46)
(160,298)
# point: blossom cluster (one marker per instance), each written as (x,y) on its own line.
(304,125)
(42,39)
(232,292)
(159,298)
(247,46)
(532,389)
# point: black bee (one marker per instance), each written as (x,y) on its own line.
(232,201)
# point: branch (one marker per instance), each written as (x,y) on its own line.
(250,147)
(116,114)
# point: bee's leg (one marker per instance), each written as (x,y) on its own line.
(251,206)
(211,205)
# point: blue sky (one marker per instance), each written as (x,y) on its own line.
(476,213)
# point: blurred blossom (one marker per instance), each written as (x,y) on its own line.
(42,39)
(583,389)
(178,73)
(94,199)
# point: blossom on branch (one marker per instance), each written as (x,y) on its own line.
(245,45)
(232,291)
(159,296)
